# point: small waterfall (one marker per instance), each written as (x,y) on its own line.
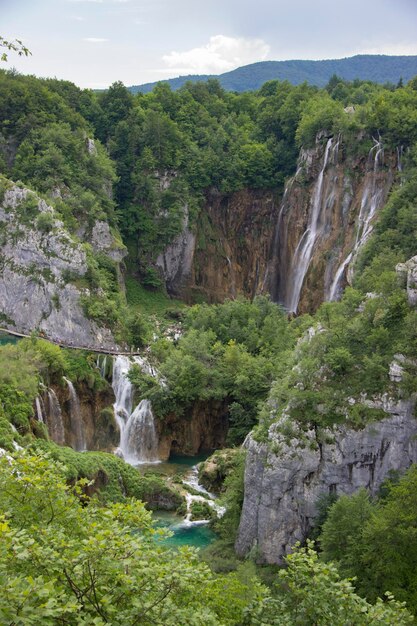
(54,419)
(207,497)
(77,426)
(102,365)
(138,439)
(304,249)
(372,196)
(39,412)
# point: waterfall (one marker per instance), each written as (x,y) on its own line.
(39,412)
(372,196)
(192,481)
(54,419)
(304,249)
(138,439)
(77,426)
(102,364)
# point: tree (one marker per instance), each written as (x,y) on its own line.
(66,560)
(15,46)
(311,593)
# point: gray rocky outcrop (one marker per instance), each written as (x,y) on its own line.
(103,241)
(408,272)
(285,477)
(175,262)
(41,266)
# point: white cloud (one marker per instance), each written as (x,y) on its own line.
(400,49)
(95,39)
(220,54)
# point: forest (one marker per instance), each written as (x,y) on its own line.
(72,553)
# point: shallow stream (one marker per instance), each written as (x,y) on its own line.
(197,534)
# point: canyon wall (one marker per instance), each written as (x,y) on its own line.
(226,253)
(285,479)
(300,248)
(42,271)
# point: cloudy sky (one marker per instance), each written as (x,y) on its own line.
(95,42)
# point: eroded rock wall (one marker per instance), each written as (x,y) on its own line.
(42,268)
(226,253)
(326,215)
(284,479)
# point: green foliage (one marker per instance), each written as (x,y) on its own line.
(45,222)
(311,592)
(64,562)
(229,353)
(375,542)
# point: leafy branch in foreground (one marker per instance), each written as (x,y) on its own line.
(15,45)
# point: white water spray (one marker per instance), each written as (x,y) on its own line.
(372,196)
(54,419)
(192,481)
(304,250)
(77,426)
(138,439)
(39,412)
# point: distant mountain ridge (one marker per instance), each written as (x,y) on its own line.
(378,68)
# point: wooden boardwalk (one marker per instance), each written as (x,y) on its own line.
(71,346)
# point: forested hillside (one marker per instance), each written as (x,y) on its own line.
(377,68)
(105,199)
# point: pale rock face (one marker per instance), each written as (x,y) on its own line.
(284,479)
(176,261)
(35,288)
(408,271)
(103,241)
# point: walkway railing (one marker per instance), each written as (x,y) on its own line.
(72,346)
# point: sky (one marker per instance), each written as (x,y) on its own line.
(96,42)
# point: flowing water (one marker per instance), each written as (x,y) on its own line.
(371,201)
(187,532)
(54,419)
(77,426)
(39,411)
(304,250)
(138,439)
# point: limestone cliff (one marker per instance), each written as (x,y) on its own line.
(326,215)
(283,480)
(226,252)
(42,270)
(300,248)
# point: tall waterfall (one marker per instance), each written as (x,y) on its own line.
(54,419)
(77,426)
(39,411)
(372,197)
(138,439)
(304,249)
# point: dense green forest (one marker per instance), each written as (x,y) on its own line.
(68,556)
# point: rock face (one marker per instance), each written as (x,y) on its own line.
(284,479)
(227,251)
(408,271)
(175,262)
(41,267)
(99,427)
(326,215)
(205,428)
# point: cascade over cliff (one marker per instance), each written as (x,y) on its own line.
(325,217)
(300,250)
